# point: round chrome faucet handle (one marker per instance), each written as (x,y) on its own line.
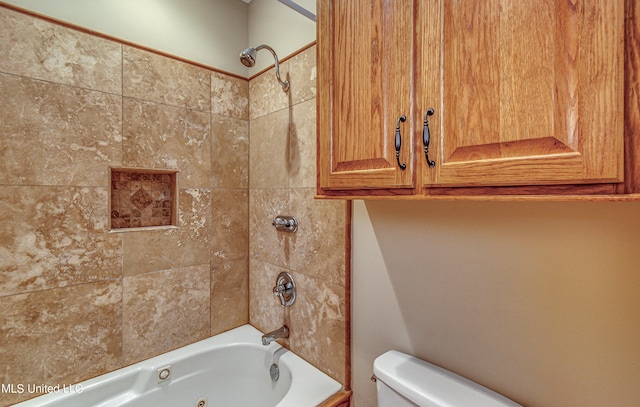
(285,289)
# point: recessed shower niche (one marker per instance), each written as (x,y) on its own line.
(142,198)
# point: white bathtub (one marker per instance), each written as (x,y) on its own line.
(230,369)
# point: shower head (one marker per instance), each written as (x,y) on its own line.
(248,59)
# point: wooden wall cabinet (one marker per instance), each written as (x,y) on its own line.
(528,97)
(365,87)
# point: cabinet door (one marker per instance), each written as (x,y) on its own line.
(532,93)
(365,59)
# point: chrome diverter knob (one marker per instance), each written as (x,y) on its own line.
(284,223)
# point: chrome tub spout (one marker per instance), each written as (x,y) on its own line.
(280,333)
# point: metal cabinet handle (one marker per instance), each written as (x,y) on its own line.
(402,118)
(426,137)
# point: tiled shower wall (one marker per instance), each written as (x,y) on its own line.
(75,299)
(282,181)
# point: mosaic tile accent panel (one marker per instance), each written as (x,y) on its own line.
(142,198)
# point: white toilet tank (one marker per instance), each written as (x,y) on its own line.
(406,381)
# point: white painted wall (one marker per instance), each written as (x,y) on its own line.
(211,32)
(539,301)
(280,27)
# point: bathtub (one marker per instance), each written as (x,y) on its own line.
(229,369)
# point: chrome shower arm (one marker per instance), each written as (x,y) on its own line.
(284,84)
(248,58)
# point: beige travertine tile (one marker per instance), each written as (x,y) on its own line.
(265,242)
(57,135)
(302,69)
(60,232)
(168,137)
(164,310)
(186,245)
(229,96)
(55,236)
(229,295)
(319,247)
(266,93)
(265,311)
(60,336)
(229,152)
(318,327)
(38,49)
(269,150)
(229,259)
(230,227)
(302,145)
(156,78)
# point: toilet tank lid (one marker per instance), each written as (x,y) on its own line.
(429,385)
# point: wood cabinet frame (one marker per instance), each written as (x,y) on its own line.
(629,189)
